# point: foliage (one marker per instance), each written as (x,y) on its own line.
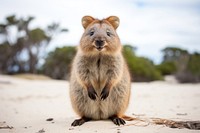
(141,69)
(38,35)
(167,68)
(58,62)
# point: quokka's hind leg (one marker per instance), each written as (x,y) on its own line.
(80,121)
(116,120)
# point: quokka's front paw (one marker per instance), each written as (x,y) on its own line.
(104,93)
(92,93)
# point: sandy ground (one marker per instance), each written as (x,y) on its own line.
(26,104)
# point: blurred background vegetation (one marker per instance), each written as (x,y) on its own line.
(25,52)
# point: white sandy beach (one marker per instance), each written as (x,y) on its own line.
(26,104)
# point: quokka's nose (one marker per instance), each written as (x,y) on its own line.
(99,43)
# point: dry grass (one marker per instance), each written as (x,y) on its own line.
(143,122)
(194,125)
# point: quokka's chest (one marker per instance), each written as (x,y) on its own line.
(100,66)
(100,62)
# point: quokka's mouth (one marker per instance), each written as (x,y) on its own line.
(99,48)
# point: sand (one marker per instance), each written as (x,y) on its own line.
(43,106)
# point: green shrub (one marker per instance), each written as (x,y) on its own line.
(58,62)
(167,67)
(141,69)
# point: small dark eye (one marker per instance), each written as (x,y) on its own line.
(108,33)
(91,33)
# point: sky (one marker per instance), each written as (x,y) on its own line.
(148,25)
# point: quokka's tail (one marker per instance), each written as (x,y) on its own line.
(129,118)
(142,122)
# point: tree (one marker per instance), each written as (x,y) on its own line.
(58,62)
(29,43)
(173,53)
(192,71)
(186,65)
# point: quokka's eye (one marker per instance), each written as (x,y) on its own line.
(91,33)
(108,33)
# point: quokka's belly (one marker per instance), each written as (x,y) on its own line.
(114,104)
(103,109)
(99,109)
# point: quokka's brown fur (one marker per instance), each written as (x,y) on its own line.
(100,82)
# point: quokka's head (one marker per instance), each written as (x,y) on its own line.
(100,35)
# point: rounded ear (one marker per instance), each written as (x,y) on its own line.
(86,20)
(114,21)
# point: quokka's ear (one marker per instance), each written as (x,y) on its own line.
(86,20)
(114,21)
